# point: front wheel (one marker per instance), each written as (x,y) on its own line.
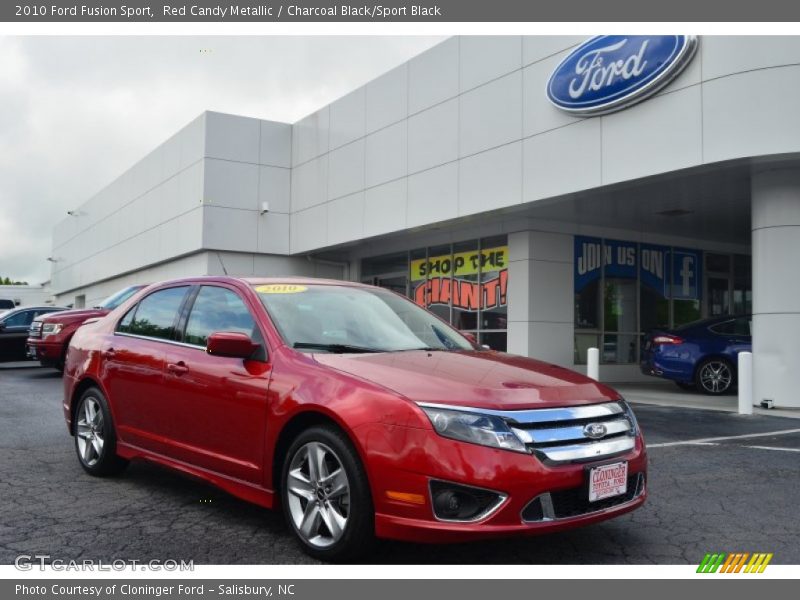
(715,376)
(95,438)
(325,495)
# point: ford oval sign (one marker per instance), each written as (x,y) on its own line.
(610,72)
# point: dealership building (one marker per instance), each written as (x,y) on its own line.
(547,193)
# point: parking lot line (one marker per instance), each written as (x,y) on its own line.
(774,448)
(723,439)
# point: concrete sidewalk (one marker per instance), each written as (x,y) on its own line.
(668,394)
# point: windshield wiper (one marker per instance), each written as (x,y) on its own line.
(337,348)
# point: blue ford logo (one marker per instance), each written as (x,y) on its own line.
(594,430)
(610,72)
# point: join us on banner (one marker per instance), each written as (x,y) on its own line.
(675,272)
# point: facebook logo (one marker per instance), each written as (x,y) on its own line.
(686,274)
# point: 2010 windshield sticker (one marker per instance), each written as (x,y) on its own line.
(281,288)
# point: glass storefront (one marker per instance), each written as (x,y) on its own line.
(625,289)
(464,283)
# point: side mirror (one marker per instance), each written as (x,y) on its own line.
(234,345)
(2,326)
(471,337)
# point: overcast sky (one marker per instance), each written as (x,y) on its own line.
(75,112)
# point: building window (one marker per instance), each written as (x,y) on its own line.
(625,289)
(464,283)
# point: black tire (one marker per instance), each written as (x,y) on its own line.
(686,386)
(86,432)
(715,385)
(358,533)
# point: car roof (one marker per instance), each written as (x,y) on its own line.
(21,308)
(261,281)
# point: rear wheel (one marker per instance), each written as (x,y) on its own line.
(715,376)
(95,438)
(325,495)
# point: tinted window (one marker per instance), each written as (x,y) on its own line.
(157,313)
(724,328)
(743,326)
(19,319)
(218,309)
(125,323)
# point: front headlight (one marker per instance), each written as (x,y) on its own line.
(51,329)
(631,417)
(474,427)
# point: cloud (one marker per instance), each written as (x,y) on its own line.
(78,111)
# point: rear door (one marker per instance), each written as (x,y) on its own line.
(134,368)
(217,406)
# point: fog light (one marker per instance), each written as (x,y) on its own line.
(454,502)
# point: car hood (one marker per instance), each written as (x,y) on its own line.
(71,316)
(471,378)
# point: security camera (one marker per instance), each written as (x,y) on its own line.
(264,208)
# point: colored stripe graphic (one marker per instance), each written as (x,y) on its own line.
(734,562)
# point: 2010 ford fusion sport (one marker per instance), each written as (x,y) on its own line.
(356,411)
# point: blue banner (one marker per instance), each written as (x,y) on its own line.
(665,270)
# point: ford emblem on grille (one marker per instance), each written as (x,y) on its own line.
(594,430)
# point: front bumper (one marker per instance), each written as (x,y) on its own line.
(405,460)
(45,350)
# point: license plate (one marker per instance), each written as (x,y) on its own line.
(608,480)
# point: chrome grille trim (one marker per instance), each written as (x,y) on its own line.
(542,415)
(568,433)
(591,451)
(556,435)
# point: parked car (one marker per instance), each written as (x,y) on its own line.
(352,408)
(701,355)
(7,304)
(14,326)
(49,335)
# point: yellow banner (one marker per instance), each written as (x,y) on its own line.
(460,263)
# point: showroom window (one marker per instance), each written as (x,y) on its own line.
(625,289)
(464,283)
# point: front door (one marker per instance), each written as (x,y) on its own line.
(217,405)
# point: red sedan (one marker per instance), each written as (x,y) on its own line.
(359,413)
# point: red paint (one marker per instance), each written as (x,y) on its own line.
(219,418)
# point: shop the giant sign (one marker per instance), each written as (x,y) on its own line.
(610,72)
(453,278)
(669,271)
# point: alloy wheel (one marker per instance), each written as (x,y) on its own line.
(90,431)
(716,377)
(318,495)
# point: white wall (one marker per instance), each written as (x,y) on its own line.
(465,128)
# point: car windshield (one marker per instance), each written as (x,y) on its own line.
(338,318)
(115,300)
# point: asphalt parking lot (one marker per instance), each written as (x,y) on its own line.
(706,494)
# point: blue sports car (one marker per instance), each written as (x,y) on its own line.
(701,355)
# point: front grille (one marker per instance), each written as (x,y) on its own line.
(574,502)
(36,330)
(575,434)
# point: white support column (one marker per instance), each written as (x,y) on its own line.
(776,286)
(540,297)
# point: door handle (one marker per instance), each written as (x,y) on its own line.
(178,368)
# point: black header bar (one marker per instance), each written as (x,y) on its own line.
(148,11)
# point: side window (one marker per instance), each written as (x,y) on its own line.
(157,314)
(124,325)
(744,327)
(724,328)
(20,319)
(218,309)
